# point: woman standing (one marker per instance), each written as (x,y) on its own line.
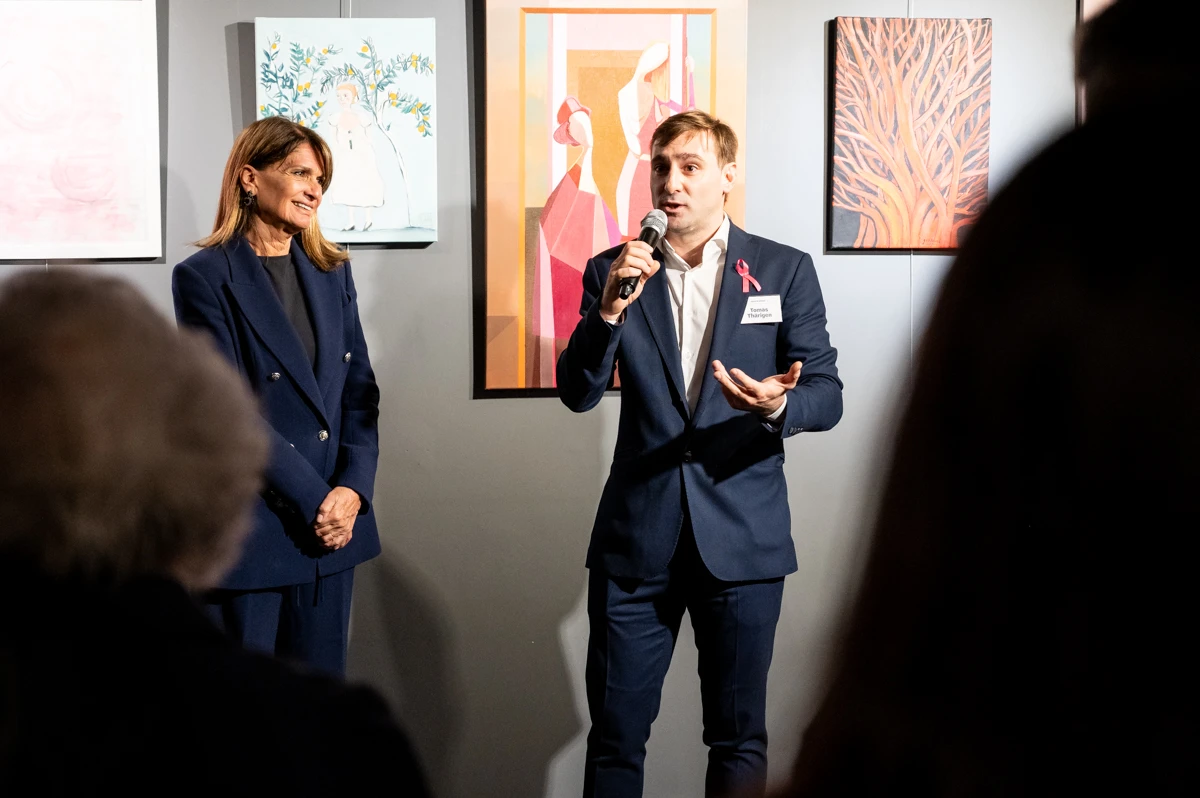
(279,299)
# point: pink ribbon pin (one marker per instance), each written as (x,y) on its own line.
(743,270)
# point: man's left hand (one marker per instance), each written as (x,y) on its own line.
(745,393)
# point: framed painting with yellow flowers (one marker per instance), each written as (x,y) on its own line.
(367,87)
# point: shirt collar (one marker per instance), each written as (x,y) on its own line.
(714,248)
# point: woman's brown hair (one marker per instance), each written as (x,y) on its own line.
(262,144)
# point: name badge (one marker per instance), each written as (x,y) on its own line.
(762,309)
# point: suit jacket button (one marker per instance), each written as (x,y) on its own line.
(346,358)
(274,375)
(687,456)
(322,435)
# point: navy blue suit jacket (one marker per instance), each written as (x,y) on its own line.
(226,291)
(724,463)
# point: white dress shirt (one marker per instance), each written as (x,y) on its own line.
(694,291)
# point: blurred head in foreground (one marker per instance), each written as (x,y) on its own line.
(130,448)
(1023,624)
(1128,62)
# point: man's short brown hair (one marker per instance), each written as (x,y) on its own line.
(724,140)
(129,447)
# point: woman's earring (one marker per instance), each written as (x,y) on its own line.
(248,199)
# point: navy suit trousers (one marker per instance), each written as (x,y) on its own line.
(633,627)
(307,623)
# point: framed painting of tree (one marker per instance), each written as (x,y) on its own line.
(367,87)
(911,125)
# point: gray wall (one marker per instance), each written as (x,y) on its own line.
(472,621)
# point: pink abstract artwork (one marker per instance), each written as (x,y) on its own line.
(79,130)
(575,92)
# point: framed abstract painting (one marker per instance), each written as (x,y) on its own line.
(367,87)
(79,127)
(911,127)
(568,95)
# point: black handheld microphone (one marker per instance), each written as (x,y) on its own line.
(654,227)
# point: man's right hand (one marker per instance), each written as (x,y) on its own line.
(636,260)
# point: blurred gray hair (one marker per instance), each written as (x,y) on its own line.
(129,447)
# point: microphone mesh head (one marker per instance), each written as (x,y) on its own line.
(656,219)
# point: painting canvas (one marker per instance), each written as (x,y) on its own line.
(911,125)
(574,94)
(79,130)
(367,87)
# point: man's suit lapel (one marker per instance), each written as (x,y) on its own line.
(655,304)
(260,305)
(730,304)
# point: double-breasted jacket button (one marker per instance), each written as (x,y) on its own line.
(274,375)
(346,358)
(322,435)
(687,456)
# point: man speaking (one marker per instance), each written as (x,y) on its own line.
(722,353)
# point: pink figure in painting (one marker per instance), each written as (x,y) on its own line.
(575,224)
(643,103)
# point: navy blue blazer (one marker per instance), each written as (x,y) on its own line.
(323,422)
(723,463)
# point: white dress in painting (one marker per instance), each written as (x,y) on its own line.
(356,178)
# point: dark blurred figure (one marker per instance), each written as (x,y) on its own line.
(131,454)
(1026,618)
(1128,61)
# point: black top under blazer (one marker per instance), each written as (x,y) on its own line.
(323,421)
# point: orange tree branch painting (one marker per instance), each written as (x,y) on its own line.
(910,131)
